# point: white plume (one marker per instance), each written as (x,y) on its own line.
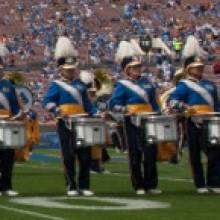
(125,49)
(64,48)
(158,43)
(86,76)
(192,48)
(3,50)
(137,48)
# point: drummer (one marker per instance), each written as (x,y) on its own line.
(10,110)
(198,96)
(133,95)
(65,97)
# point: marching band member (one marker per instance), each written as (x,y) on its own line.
(198,96)
(9,110)
(171,151)
(133,95)
(88,78)
(65,97)
(25,99)
(98,153)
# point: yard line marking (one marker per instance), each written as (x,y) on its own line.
(122,203)
(26,212)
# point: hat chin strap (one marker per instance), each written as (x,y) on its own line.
(194,77)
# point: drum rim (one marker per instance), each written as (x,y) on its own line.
(88,120)
(160,117)
(5,122)
(211,118)
(208,114)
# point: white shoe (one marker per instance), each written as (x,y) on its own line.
(140,192)
(215,190)
(154,191)
(72,193)
(202,190)
(86,192)
(10,193)
(0,194)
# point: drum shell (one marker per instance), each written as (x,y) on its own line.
(211,131)
(89,131)
(12,134)
(159,128)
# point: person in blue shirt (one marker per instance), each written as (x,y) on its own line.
(132,95)
(198,96)
(66,97)
(10,109)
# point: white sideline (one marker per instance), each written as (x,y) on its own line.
(26,212)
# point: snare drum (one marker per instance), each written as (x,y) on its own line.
(89,131)
(210,125)
(159,128)
(12,134)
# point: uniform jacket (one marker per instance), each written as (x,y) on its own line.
(8,99)
(69,98)
(200,94)
(136,95)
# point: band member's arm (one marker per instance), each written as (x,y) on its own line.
(178,97)
(17,113)
(50,101)
(153,100)
(117,102)
(88,105)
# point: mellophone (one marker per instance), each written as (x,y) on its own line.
(12,134)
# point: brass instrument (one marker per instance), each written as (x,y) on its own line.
(103,83)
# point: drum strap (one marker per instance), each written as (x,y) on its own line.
(200,90)
(4,101)
(136,89)
(71,90)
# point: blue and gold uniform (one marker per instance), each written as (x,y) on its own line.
(134,95)
(137,96)
(9,107)
(201,97)
(68,98)
(60,98)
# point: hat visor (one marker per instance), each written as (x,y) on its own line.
(69,66)
(132,64)
(195,64)
(72,65)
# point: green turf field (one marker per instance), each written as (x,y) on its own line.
(42,191)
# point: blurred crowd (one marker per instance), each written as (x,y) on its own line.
(30,28)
